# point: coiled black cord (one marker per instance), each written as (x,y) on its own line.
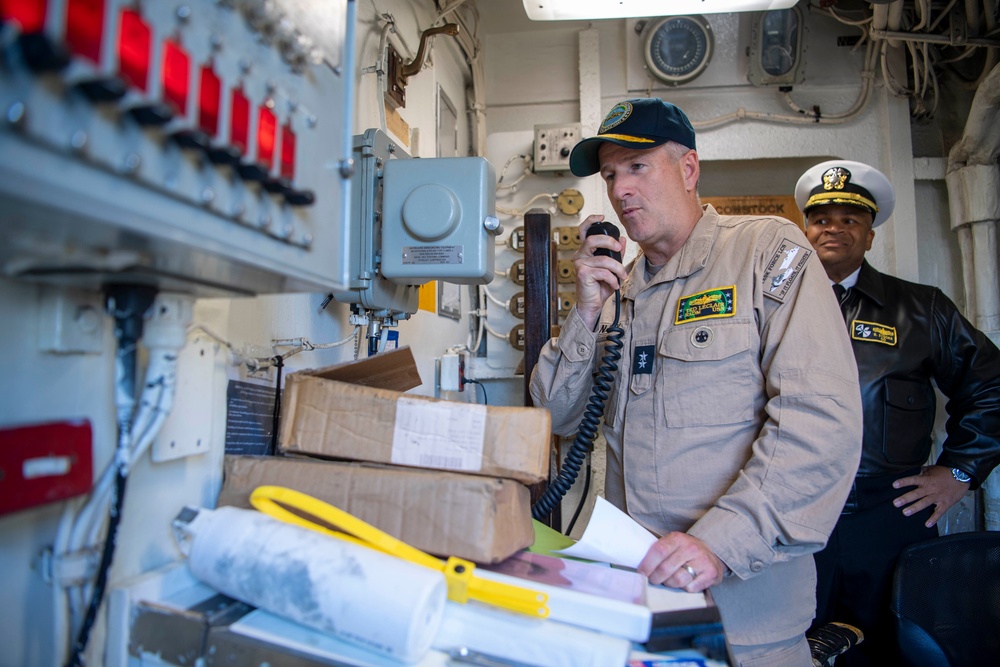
(587,431)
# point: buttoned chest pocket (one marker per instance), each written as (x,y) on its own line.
(909,419)
(708,375)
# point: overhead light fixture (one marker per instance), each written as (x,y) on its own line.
(569,10)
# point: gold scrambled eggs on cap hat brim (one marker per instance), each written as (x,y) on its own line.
(846,183)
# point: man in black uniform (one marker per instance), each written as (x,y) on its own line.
(904,336)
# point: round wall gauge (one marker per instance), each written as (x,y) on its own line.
(678,48)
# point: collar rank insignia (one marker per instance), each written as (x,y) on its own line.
(873,332)
(718,302)
(642,359)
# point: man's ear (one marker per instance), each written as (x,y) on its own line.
(871,237)
(691,170)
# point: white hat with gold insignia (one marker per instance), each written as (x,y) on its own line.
(847,183)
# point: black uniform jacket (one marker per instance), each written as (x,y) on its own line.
(904,334)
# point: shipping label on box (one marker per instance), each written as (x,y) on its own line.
(357,412)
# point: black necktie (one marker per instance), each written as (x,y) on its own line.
(840,291)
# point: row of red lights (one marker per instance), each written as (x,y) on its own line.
(84,37)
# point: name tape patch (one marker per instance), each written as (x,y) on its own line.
(784,268)
(718,302)
(873,332)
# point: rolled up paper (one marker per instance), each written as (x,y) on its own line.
(352,592)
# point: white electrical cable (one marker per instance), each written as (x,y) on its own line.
(80,528)
(489,295)
(259,363)
(521,211)
(494,332)
(380,68)
(524,173)
(155,403)
(480,329)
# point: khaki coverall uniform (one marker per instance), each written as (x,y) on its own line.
(736,413)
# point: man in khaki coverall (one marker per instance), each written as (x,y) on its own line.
(734,426)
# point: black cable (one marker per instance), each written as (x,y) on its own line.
(272,448)
(128,305)
(107,555)
(486,400)
(583,498)
(584,441)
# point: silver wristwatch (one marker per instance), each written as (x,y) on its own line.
(960,476)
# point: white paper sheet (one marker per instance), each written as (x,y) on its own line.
(612,537)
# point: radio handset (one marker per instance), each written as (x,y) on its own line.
(603,382)
(607,229)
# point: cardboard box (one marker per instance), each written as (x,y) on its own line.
(478,518)
(356,411)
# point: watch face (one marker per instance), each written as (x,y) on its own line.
(678,48)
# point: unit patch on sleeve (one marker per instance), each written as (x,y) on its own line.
(784,268)
(873,332)
(718,302)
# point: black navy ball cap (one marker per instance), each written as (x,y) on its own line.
(639,123)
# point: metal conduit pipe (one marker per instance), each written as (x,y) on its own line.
(927,38)
(880,17)
(895,19)
(973,179)
(972,16)
(887,17)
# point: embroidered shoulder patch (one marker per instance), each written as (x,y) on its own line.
(718,302)
(873,332)
(784,268)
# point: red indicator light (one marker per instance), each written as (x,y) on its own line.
(267,131)
(239,122)
(30,15)
(287,152)
(134,40)
(176,76)
(209,100)
(85,28)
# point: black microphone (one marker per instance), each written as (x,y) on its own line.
(608,229)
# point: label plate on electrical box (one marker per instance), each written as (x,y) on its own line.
(43,463)
(433,254)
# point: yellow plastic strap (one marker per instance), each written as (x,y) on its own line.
(463,585)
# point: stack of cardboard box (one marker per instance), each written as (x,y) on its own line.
(448,478)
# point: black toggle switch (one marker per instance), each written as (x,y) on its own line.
(109,89)
(278,186)
(222,154)
(300,197)
(252,171)
(191,139)
(151,115)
